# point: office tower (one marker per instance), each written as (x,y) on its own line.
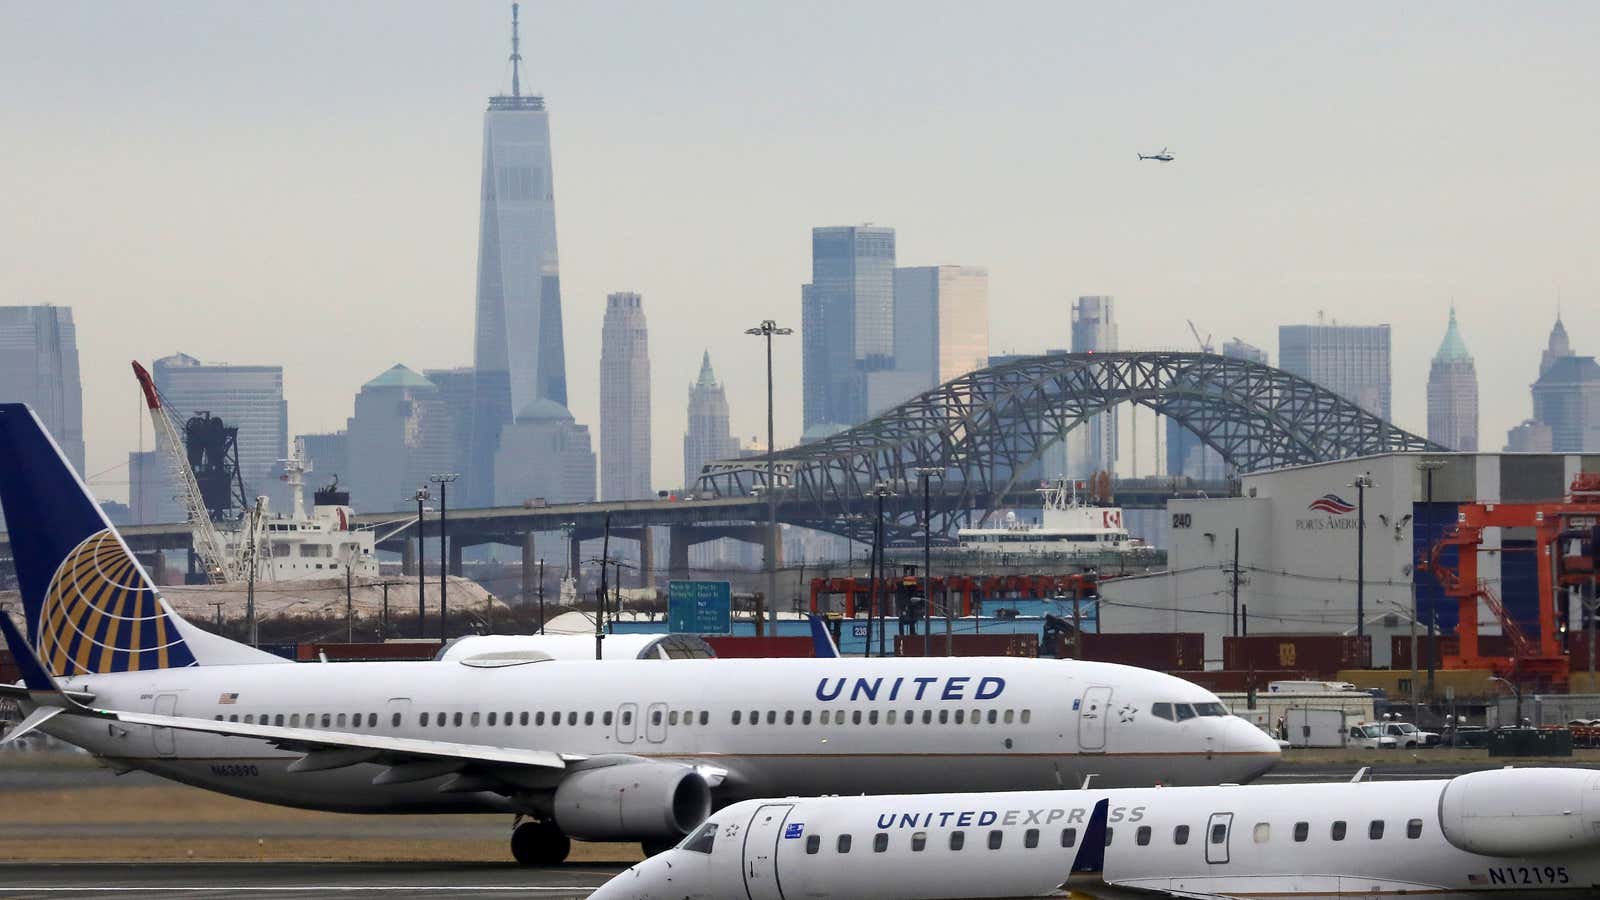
(1092,446)
(544,454)
(1186,454)
(39,367)
(1453,393)
(1559,346)
(518,351)
(152,499)
(249,398)
(1350,360)
(708,436)
(327,457)
(624,400)
(847,321)
(941,322)
(1532,436)
(398,436)
(1567,399)
(457,387)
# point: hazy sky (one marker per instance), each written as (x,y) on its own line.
(297,183)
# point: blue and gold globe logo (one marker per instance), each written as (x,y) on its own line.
(100,614)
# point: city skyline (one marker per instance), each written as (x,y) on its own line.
(362,215)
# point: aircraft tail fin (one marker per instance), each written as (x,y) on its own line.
(1091,858)
(90,607)
(822,645)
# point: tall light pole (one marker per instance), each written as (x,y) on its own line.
(443,480)
(1361,484)
(880,490)
(925,473)
(767,329)
(422,496)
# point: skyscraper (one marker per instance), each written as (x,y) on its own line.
(1350,360)
(1559,346)
(39,367)
(1567,395)
(847,322)
(249,398)
(545,454)
(941,322)
(518,352)
(708,436)
(1453,393)
(398,436)
(1092,446)
(624,400)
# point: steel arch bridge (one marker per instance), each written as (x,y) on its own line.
(982,431)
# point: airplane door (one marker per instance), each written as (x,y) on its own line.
(1218,831)
(627,723)
(1092,712)
(655,725)
(166,742)
(761,851)
(397,714)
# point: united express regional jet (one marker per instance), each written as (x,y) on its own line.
(1511,833)
(614,750)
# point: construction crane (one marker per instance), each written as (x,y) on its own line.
(1205,342)
(219,565)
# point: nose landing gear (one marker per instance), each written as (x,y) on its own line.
(539,843)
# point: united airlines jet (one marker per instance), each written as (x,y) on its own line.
(1505,832)
(614,750)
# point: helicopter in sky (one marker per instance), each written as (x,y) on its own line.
(1163,156)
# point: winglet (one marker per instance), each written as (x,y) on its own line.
(1091,858)
(822,645)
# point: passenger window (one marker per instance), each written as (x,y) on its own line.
(977,717)
(572,717)
(919,841)
(880,842)
(805,717)
(927,717)
(892,716)
(735,717)
(1180,835)
(1009,714)
(872,717)
(604,720)
(703,839)
(704,717)
(1184,711)
(772,717)
(944,717)
(1142,836)
(1414,829)
(993,714)
(588,717)
(855,717)
(1375,830)
(1069,837)
(1263,833)
(1161,711)
(788,717)
(458,720)
(474,720)
(755,717)
(1027,715)
(843,844)
(958,839)
(507,718)
(655,717)
(538,719)
(813,844)
(1338,831)
(961,716)
(824,717)
(672,717)
(522,718)
(996,837)
(1030,838)
(233,718)
(1219,833)
(555,719)
(250,718)
(394,721)
(294,719)
(326,718)
(372,720)
(688,717)
(1302,830)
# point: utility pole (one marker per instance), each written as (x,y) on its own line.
(386,609)
(443,481)
(250,587)
(541,595)
(767,329)
(422,497)
(349,608)
(881,490)
(600,606)
(1233,576)
(1361,484)
(926,472)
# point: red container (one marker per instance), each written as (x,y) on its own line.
(1025,645)
(384,652)
(1236,681)
(1316,655)
(729,647)
(1450,645)
(1161,651)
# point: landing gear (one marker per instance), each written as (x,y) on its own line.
(539,844)
(651,848)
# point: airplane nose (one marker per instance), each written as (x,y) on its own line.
(1241,737)
(644,881)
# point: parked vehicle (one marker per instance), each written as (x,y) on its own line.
(1370,736)
(1410,736)
(1316,727)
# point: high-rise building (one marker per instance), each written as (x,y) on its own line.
(1187,455)
(39,367)
(708,436)
(1453,393)
(1092,446)
(398,436)
(518,351)
(1559,346)
(457,387)
(941,322)
(624,400)
(1532,436)
(544,454)
(327,457)
(249,398)
(1350,360)
(847,322)
(1567,398)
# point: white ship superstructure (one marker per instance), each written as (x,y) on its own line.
(1069,526)
(300,547)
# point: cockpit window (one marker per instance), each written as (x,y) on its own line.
(1210,709)
(1184,711)
(1161,711)
(701,841)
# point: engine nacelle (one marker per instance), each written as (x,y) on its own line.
(1522,812)
(632,802)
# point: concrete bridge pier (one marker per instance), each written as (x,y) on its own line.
(455,558)
(530,569)
(408,556)
(678,540)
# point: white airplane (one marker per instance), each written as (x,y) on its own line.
(612,750)
(1503,832)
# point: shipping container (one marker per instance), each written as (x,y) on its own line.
(1316,655)
(1449,645)
(1238,681)
(769,647)
(1026,645)
(1162,651)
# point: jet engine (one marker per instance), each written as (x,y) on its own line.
(645,801)
(1520,812)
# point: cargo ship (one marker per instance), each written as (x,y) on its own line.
(1070,526)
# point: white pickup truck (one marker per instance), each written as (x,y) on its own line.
(1370,736)
(1408,735)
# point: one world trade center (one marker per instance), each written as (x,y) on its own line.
(518,352)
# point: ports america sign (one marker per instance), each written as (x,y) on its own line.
(1337,516)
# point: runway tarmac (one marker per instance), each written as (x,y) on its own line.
(288,880)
